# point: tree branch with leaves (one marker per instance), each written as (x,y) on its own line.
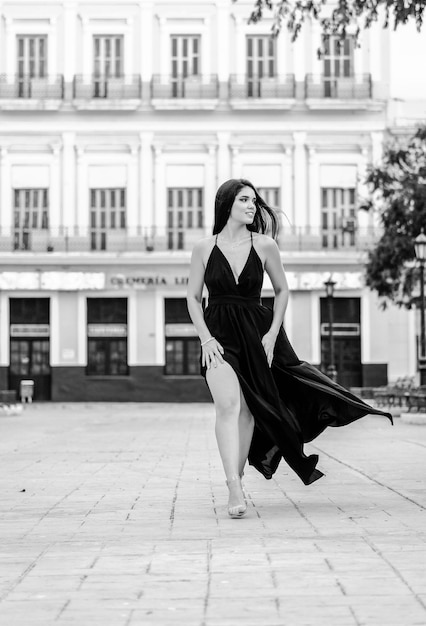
(397,191)
(354,15)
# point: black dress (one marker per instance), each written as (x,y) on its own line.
(292,402)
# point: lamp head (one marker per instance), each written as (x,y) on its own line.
(420,246)
(329,287)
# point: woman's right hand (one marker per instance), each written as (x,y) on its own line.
(211,354)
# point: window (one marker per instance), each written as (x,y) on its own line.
(338,217)
(107,213)
(107,63)
(32,62)
(271,195)
(31,213)
(182,343)
(107,337)
(184,212)
(185,62)
(260,63)
(338,63)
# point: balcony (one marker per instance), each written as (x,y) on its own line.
(267,92)
(31,93)
(339,92)
(156,239)
(184,92)
(94,92)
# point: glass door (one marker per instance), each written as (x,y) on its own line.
(108,63)
(185,62)
(260,63)
(338,63)
(30,359)
(32,62)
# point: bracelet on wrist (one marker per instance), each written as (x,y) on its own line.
(203,343)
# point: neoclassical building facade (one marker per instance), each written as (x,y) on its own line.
(117,123)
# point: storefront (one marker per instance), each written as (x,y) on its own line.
(121,331)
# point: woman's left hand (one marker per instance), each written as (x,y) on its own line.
(268,343)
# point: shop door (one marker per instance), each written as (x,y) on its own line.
(30,360)
(347,357)
(346,339)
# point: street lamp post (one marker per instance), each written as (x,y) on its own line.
(420,249)
(329,289)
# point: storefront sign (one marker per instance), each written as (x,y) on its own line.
(107,330)
(52,281)
(144,281)
(181,330)
(29,330)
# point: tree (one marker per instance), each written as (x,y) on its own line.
(397,191)
(346,13)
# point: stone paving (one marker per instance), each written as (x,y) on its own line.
(115,514)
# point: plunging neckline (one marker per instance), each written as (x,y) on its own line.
(234,276)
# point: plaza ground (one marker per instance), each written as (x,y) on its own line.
(115,514)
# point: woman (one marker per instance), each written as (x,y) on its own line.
(267,401)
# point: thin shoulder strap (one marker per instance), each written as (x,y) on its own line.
(251,237)
(216,238)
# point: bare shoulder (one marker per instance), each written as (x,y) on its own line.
(265,244)
(202,248)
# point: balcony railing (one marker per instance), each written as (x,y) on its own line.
(31,87)
(339,87)
(188,87)
(107,87)
(266,87)
(156,239)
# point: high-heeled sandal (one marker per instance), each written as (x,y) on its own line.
(238,510)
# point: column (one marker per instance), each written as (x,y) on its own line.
(164,48)
(314,205)
(146,182)
(129,50)
(240,68)
(210,189)
(146,26)
(365,326)
(315,328)
(222,41)
(364,218)
(82,207)
(236,165)
(87,52)
(10,47)
(6,208)
(82,328)
(132,191)
(69,41)
(287,204)
(52,48)
(160,215)
(132,329)
(55,339)
(223,169)
(68,181)
(300,183)
(206,69)
(55,211)
(4,330)
(376,155)
(315,42)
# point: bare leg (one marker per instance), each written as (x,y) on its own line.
(225,389)
(245,427)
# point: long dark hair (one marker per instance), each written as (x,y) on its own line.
(265,218)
